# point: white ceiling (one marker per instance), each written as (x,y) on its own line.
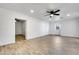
(40,8)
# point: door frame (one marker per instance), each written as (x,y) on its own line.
(25,21)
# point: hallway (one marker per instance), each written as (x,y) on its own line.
(47,45)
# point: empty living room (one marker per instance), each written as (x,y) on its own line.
(39,28)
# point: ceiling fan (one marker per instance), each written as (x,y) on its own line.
(52,12)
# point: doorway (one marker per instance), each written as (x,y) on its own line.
(20,29)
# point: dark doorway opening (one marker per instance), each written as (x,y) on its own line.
(20,26)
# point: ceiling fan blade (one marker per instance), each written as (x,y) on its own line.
(57,14)
(56,11)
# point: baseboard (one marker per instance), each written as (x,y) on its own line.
(65,36)
(70,36)
(39,37)
(7,44)
(54,35)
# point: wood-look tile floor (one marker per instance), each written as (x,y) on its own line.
(48,45)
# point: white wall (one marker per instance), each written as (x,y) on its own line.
(7,31)
(24,27)
(53,29)
(34,27)
(69,27)
(55,22)
(37,28)
(19,27)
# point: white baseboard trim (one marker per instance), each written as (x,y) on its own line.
(39,37)
(65,36)
(7,43)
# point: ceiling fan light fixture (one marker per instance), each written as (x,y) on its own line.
(32,11)
(68,14)
(51,15)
